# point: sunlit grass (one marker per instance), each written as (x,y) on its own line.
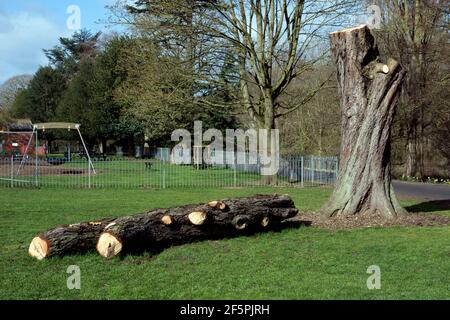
(302,263)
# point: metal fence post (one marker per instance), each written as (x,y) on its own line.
(164,177)
(303,173)
(235,168)
(89,175)
(12,171)
(37,161)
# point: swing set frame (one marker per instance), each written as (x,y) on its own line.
(53,125)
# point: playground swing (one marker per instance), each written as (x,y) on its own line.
(53,125)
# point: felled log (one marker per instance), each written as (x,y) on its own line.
(68,239)
(163,228)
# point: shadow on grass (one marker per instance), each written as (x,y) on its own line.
(160,247)
(430,206)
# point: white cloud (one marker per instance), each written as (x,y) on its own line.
(22,38)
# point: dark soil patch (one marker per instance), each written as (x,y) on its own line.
(371,220)
(72,172)
(29,170)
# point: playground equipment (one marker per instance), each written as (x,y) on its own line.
(53,125)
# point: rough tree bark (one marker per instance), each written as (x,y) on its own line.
(163,228)
(369,92)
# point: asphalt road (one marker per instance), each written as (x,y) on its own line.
(425,191)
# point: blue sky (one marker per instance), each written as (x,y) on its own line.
(28,26)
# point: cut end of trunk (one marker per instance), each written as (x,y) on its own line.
(265,222)
(222,205)
(108,246)
(213,204)
(167,220)
(197,218)
(38,248)
(382,68)
(240,222)
(217,205)
(362,26)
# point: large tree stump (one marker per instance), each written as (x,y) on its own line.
(67,239)
(163,228)
(369,91)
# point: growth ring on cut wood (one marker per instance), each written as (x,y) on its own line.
(197,218)
(167,220)
(108,246)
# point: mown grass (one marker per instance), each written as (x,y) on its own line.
(304,263)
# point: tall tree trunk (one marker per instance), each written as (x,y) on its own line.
(272,148)
(421,164)
(410,164)
(369,93)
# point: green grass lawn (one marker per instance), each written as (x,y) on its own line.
(304,263)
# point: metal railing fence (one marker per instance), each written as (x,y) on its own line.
(160,172)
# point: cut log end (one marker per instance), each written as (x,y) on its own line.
(382,68)
(217,204)
(108,246)
(265,222)
(167,220)
(362,26)
(38,248)
(240,222)
(213,204)
(222,206)
(197,218)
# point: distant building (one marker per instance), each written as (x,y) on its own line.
(14,138)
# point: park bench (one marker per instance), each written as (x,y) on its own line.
(93,155)
(56,161)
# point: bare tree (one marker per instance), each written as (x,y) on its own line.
(416,34)
(271,39)
(313,128)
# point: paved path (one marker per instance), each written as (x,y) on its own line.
(426,191)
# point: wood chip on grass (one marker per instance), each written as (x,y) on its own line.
(315,219)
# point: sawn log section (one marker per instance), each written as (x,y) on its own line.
(161,228)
